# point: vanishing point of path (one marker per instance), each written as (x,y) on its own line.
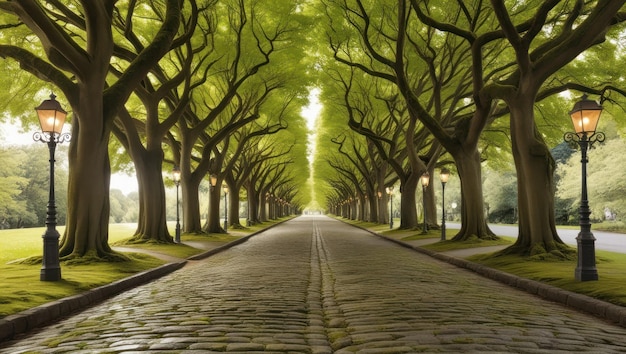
(316,285)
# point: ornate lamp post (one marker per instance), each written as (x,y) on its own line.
(444,175)
(425,179)
(225,188)
(51,118)
(390,193)
(176,178)
(585,116)
(212,181)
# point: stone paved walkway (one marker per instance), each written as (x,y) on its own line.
(316,285)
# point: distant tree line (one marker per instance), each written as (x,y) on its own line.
(24,183)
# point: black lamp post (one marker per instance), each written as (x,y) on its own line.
(225,188)
(585,117)
(176,178)
(51,118)
(390,193)
(425,179)
(444,175)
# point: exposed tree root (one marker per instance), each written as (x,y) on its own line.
(142,239)
(558,252)
(93,257)
(28,261)
(470,237)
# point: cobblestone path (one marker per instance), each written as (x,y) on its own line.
(316,285)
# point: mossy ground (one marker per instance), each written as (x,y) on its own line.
(560,273)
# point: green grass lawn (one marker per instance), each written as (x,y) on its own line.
(21,289)
(611,273)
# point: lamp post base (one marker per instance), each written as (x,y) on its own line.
(50,268)
(50,274)
(586,268)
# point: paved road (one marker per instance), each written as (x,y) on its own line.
(316,285)
(607,241)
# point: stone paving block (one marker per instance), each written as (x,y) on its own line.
(130,347)
(371,337)
(204,347)
(321,350)
(243,347)
(290,348)
(168,346)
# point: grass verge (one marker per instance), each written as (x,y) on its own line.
(611,273)
(21,288)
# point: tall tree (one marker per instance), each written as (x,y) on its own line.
(539,54)
(430,71)
(250,61)
(78,43)
(143,131)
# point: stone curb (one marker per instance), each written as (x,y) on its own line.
(27,320)
(224,247)
(580,302)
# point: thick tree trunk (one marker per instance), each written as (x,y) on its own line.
(213,224)
(431,203)
(408,208)
(263,206)
(233,209)
(362,208)
(254,210)
(382,212)
(87,228)
(353,210)
(372,201)
(382,209)
(192,221)
(535,187)
(152,224)
(372,212)
(473,222)
(190,185)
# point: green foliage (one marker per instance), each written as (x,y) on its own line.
(606,179)
(500,194)
(24,185)
(125,208)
